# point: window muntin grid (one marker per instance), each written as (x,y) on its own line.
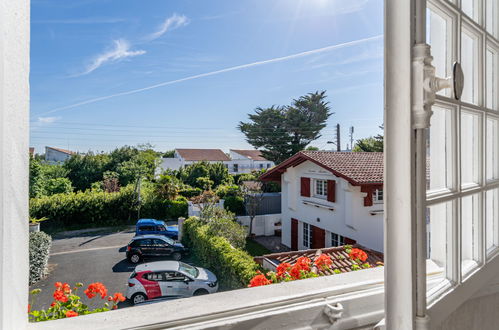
(463,203)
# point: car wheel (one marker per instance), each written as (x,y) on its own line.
(200,292)
(134,258)
(138,298)
(176,256)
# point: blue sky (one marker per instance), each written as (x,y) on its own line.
(183,73)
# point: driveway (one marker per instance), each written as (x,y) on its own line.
(88,257)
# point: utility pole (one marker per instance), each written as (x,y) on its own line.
(338,141)
(351,138)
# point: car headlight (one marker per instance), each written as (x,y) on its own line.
(212,284)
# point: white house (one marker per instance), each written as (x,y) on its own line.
(57,155)
(238,161)
(331,199)
(246,161)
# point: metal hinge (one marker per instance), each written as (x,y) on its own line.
(333,312)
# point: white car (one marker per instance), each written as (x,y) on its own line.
(169,279)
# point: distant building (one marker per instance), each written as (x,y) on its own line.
(246,161)
(57,155)
(330,199)
(238,161)
(31,151)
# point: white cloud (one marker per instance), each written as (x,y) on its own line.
(120,51)
(173,22)
(48,120)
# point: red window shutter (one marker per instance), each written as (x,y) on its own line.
(305,187)
(349,241)
(331,191)
(294,234)
(318,238)
(368,200)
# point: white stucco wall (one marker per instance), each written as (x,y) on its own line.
(263,225)
(55,156)
(350,217)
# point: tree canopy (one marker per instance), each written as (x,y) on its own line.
(282,131)
(370,144)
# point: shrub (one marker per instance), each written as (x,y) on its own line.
(39,247)
(234,267)
(58,186)
(190,192)
(223,223)
(234,204)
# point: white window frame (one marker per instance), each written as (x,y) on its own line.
(337,240)
(320,184)
(306,235)
(378,196)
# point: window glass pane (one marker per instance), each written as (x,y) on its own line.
(438,221)
(469,61)
(470,148)
(491,219)
(492,150)
(470,217)
(439,150)
(492,17)
(438,36)
(470,8)
(492,79)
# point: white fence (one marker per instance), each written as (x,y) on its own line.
(263,225)
(194,210)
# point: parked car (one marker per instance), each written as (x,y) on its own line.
(150,246)
(173,279)
(155,227)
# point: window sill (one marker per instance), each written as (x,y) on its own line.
(311,203)
(360,293)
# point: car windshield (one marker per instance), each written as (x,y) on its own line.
(168,240)
(185,268)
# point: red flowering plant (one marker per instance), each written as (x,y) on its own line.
(305,268)
(68,304)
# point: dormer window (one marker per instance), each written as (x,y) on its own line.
(320,188)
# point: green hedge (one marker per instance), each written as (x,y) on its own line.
(190,192)
(39,247)
(235,204)
(97,208)
(233,267)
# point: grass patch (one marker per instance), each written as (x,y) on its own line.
(255,249)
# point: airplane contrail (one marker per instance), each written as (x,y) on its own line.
(212,73)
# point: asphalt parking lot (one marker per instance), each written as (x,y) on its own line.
(88,258)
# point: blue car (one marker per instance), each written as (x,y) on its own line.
(155,227)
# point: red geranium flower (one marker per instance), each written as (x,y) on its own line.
(29,308)
(71,313)
(303,263)
(118,296)
(95,289)
(323,261)
(60,296)
(358,254)
(282,269)
(259,280)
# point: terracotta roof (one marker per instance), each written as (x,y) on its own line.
(69,152)
(31,151)
(203,154)
(251,154)
(339,257)
(358,168)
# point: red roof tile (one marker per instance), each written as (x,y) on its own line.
(358,168)
(251,154)
(203,154)
(339,257)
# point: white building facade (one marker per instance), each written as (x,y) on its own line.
(57,155)
(247,161)
(323,206)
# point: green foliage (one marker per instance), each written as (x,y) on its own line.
(370,144)
(233,267)
(223,223)
(204,183)
(169,154)
(312,148)
(282,131)
(234,204)
(167,187)
(83,170)
(216,172)
(39,247)
(58,186)
(86,209)
(190,192)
